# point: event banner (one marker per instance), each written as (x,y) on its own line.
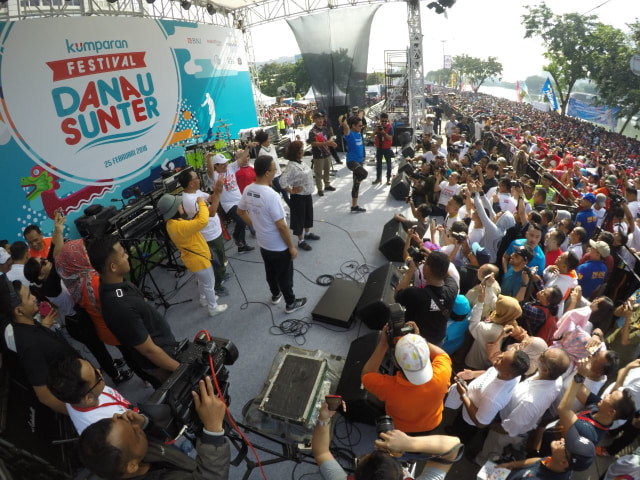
(603,115)
(95,108)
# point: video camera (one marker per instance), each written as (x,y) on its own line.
(171,408)
(417,255)
(396,326)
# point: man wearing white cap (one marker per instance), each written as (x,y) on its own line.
(414,396)
(5,261)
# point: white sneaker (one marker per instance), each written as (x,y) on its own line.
(221,307)
(203,301)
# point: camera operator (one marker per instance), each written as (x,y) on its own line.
(383,135)
(421,214)
(414,396)
(382,463)
(117,447)
(430,305)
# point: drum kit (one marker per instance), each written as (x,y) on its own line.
(195,148)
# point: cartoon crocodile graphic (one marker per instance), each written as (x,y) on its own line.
(45,184)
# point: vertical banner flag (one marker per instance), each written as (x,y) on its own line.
(447,61)
(547,89)
(518,91)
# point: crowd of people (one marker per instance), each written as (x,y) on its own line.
(520,287)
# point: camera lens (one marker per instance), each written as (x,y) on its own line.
(384,424)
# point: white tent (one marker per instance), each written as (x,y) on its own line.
(263,99)
(310,96)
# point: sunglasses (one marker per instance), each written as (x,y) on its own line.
(98,375)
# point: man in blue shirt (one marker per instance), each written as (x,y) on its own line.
(591,274)
(532,239)
(479,152)
(512,280)
(586,217)
(355,155)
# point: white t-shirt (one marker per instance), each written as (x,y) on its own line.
(265,209)
(428,157)
(109,402)
(634,207)
(507,203)
(447,191)
(600,214)
(231,192)
(576,248)
(17,273)
(190,204)
(271,152)
(530,399)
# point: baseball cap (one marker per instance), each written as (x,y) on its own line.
(590,197)
(581,450)
(481,253)
(219,159)
(461,308)
(611,179)
(507,310)
(168,205)
(318,115)
(601,247)
(355,109)
(412,354)
(4,256)
(524,251)
(601,199)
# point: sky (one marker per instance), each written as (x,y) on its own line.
(478,28)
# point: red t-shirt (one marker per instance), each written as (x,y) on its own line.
(551,257)
(245,176)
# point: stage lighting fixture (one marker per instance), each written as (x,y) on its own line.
(112,1)
(437,7)
(150,1)
(186,4)
(211,10)
(447,3)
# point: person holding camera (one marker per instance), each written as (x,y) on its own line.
(118,447)
(430,305)
(414,396)
(382,462)
(383,135)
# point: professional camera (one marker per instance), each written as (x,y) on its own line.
(417,255)
(384,424)
(171,407)
(396,326)
(453,149)
(516,184)
(380,128)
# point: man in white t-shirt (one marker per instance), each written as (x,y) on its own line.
(212,233)
(217,167)
(260,207)
(81,387)
(447,189)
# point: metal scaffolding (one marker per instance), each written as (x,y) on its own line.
(415,74)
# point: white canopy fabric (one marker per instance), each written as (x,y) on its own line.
(310,96)
(263,99)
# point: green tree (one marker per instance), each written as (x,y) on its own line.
(375,78)
(274,75)
(482,70)
(609,69)
(440,77)
(569,45)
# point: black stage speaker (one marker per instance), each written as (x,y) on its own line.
(397,131)
(392,240)
(361,405)
(378,294)
(338,303)
(400,186)
(332,118)
(405,167)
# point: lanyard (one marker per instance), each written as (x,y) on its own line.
(115,402)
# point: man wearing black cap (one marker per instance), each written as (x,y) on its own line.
(513,280)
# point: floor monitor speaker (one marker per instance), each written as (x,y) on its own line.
(378,294)
(361,405)
(400,186)
(392,241)
(398,134)
(405,166)
(338,303)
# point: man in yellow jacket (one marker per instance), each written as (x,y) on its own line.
(196,256)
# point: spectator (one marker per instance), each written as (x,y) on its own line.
(447,190)
(532,240)
(261,208)
(414,396)
(562,275)
(5,261)
(245,175)
(212,232)
(320,141)
(81,387)
(352,134)
(297,180)
(438,295)
(577,238)
(38,244)
(383,135)
(19,256)
(540,316)
(592,273)
(586,217)
(487,276)
(457,325)
(552,249)
(513,280)
(119,448)
(266,148)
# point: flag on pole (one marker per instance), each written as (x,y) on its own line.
(519,99)
(547,90)
(524,88)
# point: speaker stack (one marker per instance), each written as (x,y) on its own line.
(400,186)
(392,240)
(405,166)
(378,294)
(338,304)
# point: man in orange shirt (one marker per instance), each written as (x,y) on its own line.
(414,396)
(38,244)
